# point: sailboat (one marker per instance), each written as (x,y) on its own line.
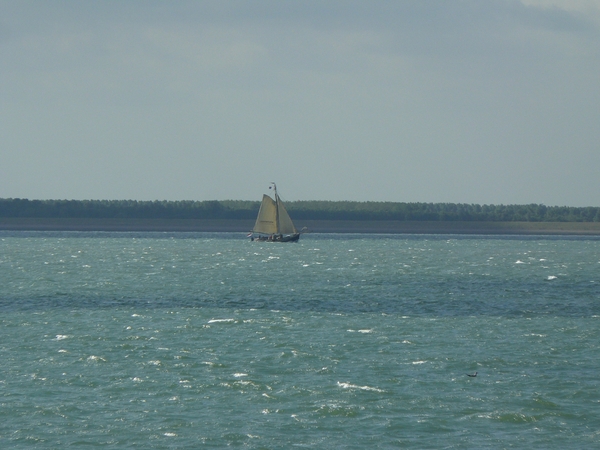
(273,223)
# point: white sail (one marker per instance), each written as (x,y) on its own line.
(285,225)
(266,222)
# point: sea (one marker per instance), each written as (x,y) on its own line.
(350,341)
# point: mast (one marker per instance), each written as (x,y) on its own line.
(276,207)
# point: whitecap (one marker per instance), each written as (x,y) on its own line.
(354,386)
(519,262)
(419,362)
(365,331)
(238,375)
(551,277)
(60,337)
(170,434)
(221,320)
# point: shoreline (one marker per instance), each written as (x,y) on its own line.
(316,226)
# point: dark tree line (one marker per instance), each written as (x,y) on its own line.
(339,210)
(131,209)
(441,212)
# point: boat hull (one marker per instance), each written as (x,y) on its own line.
(277,238)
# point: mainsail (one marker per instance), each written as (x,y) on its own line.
(266,222)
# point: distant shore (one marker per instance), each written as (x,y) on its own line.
(316,226)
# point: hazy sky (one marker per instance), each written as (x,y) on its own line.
(473,101)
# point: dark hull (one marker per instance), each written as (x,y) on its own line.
(277,238)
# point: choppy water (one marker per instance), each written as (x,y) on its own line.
(208,340)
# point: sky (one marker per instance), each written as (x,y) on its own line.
(459,101)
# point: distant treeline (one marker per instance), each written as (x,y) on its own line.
(299,210)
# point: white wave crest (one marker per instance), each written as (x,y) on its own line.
(354,386)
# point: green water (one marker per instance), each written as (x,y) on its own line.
(204,340)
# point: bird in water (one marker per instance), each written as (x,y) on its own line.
(472,374)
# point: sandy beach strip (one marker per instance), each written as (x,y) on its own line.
(315,226)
